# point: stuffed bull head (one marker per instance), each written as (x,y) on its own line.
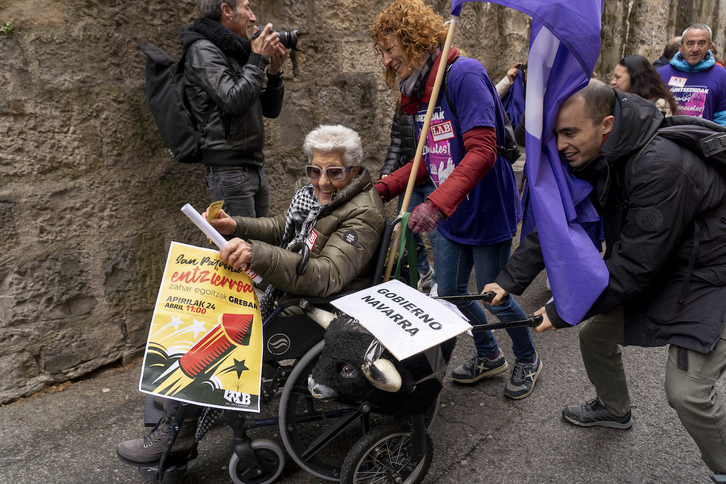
(354,367)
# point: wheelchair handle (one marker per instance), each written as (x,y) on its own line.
(532,322)
(486,297)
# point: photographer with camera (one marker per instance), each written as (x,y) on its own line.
(225,90)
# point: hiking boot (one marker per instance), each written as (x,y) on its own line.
(479,367)
(594,414)
(146,451)
(524,376)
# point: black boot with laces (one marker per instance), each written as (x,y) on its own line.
(147,451)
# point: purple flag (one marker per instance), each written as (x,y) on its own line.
(564,47)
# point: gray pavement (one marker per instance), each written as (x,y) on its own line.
(69,434)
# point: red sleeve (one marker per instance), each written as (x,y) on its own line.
(396,182)
(481,154)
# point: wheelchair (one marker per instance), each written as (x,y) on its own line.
(332,440)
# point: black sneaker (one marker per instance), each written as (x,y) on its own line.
(479,367)
(594,414)
(524,376)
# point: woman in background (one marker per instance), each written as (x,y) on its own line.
(635,74)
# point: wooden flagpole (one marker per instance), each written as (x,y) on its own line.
(422,142)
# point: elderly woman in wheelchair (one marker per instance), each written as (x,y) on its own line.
(337,217)
(325,243)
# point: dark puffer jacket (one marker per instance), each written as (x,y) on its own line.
(349,231)
(668,209)
(403,144)
(231,97)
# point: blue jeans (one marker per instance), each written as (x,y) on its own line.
(418,196)
(245,192)
(454,263)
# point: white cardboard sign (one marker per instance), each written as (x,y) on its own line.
(404,320)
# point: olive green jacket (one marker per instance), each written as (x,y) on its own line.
(348,230)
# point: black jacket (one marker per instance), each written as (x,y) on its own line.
(660,208)
(403,144)
(228,100)
(660,62)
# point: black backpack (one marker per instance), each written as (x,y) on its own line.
(510,150)
(168,104)
(705,138)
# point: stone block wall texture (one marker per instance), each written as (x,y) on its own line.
(90,197)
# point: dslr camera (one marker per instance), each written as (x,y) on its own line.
(288,38)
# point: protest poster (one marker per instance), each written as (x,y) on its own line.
(404,320)
(205,340)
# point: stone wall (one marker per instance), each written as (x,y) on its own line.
(90,198)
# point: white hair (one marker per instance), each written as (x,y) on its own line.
(327,139)
(699,26)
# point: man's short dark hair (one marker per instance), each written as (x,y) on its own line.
(599,100)
(213,8)
(671,48)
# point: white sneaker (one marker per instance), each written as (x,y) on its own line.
(434,290)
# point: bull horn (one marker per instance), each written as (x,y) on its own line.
(382,375)
(323,318)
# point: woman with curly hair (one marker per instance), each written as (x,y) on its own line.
(475,205)
(635,74)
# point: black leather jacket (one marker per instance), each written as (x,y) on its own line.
(662,209)
(228,100)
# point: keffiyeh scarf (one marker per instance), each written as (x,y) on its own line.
(301,216)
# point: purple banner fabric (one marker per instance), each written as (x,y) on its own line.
(564,47)
(513,102)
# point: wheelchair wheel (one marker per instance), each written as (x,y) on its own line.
(270,456)
(317,434)
(385,456)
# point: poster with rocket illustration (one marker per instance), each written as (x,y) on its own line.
(205,340)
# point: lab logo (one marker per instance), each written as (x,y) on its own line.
(237,398)
(278,344)
(442,131)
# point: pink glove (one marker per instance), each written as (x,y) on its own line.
(383,192)
(425,217)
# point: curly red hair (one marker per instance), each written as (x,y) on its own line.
(415,25)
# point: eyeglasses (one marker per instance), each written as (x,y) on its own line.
(332,173)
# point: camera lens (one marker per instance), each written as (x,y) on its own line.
(288,38)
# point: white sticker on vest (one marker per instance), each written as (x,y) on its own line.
(677,81)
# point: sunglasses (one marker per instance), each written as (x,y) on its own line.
(332,173)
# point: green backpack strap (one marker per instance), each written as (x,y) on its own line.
(408,244)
